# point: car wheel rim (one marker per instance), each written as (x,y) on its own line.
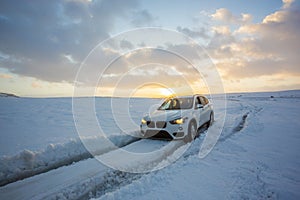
(193,131)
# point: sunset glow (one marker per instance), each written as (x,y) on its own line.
(165,92)
(252,49)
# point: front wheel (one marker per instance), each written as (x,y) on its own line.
(211,119)
(192,130)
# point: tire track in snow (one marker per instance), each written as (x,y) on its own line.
(114,179)
(250,114)
(117,179)
(237,128)
(229,131)
(79,180)
(193,150)
(254,182)
(28,163)
(241,124)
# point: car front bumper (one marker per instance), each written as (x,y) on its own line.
(159,130)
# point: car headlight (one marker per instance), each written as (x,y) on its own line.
(178,121)
(143,121)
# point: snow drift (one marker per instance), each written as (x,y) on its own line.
(28,163)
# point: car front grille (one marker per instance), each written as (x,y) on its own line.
(151,124)
(158,124)
(161,124)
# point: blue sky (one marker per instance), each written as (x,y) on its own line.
(187,10)
(253,44)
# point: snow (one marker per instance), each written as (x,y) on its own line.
(28,163)
(80,178)
(256,157)
(39,134)
(34,123)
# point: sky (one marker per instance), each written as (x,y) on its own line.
(105,47)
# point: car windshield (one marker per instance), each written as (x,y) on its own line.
(177,103)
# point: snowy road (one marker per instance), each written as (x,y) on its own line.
(256,157)
(80,178)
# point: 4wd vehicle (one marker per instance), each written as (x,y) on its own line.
(178,118)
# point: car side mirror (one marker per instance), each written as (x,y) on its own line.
(199,106)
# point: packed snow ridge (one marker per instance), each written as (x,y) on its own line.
(28,163)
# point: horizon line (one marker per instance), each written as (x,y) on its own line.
(153,97)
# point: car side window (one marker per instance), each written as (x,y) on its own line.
(203,101)
(197,102)
(206,100)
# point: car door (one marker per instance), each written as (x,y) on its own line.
(205,111)
(198,110)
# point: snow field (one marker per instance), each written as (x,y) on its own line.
(258,160)
(29,163)
(38,134)
(256,157)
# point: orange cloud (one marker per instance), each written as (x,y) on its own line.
(287,3)
(253,50)
(36,85)
(6,76)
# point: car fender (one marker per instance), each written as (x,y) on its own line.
(196,116)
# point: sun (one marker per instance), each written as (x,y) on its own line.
(165,92)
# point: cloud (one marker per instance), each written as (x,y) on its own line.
(259,49)
(162,62)
(287,3)
(226,16)
(36,85)
(48,40)
(153,74)
(201,33)
(5,76)
(142,18)
(221,40)
(140,66)
(125,44)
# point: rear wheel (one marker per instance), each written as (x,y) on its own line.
(211,119)
(192,130)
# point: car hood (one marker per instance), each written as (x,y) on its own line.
(165,115)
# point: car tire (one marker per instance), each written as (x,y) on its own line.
(211,119)
(192,131)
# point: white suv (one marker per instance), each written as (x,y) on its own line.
(178,118)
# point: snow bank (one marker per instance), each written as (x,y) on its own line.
(28,163)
